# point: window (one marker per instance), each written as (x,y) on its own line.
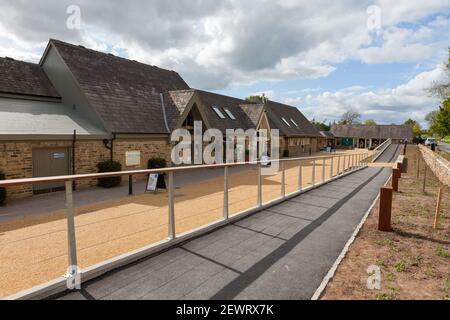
(285,121)
(228,112)
(295,123)
(218,112)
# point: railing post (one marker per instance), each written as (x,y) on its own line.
(130,185)
(300,177)
(339,166)
(332,168)
(314,173)
(324,162)
(283,180)
(259,196)
(225,193)
(172,232)
(71,236)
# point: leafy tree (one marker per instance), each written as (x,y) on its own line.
(255,99)
(350,117)
(322,126)
(370,122)
(417,128)
(442,119)
(431,119)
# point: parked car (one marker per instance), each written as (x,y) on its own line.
(431,141)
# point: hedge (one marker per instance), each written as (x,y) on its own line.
(156,163)
(109,166)
(2,190)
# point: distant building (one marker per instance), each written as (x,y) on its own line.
(369,136)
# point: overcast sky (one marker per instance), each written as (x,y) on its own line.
(324,57)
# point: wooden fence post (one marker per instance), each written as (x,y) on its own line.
(418,167)
(425,178)
(396,174)
(384,216)
(438,208)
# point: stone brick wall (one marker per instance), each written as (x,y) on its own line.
(16,158)
(437,164)
(154,148)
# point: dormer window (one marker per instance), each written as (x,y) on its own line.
(218,112)
(228,112)
(285,121)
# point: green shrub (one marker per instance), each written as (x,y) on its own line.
(109,166)
(156,163)
(2,190)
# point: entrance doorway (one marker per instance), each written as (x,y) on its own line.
(48,163)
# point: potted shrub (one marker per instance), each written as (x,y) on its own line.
(109,166)
(2,191)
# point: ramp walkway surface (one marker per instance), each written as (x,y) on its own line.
(282,252)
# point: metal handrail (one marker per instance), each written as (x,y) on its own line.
(388,141)
(351,162)
(40,180)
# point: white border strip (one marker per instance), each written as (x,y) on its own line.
(344,252)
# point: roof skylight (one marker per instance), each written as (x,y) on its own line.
(285,121)
(218,112)
(295,123)
(228,112)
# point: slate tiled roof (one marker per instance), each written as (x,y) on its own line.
(175,102)
(209,99)
(124,93)
(18,77)
(373,131)
(327,134)
(253,111)
(276,111)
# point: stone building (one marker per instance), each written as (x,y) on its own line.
(369,136)
(78,107)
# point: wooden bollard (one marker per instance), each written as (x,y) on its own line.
(384,216)
(396,175)
(400,168)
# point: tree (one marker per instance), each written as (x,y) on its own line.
(417,128)
(442,90)
(255,99)
(350,117)
(322,126)
(431,119)
(442,119)
(370,122)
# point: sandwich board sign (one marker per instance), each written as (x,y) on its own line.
(152,182)
(155,181)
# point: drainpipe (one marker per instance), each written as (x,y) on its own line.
(109,144)
(112,147)
(74,140)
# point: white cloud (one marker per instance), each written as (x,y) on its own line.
(214,44)
(389,105)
